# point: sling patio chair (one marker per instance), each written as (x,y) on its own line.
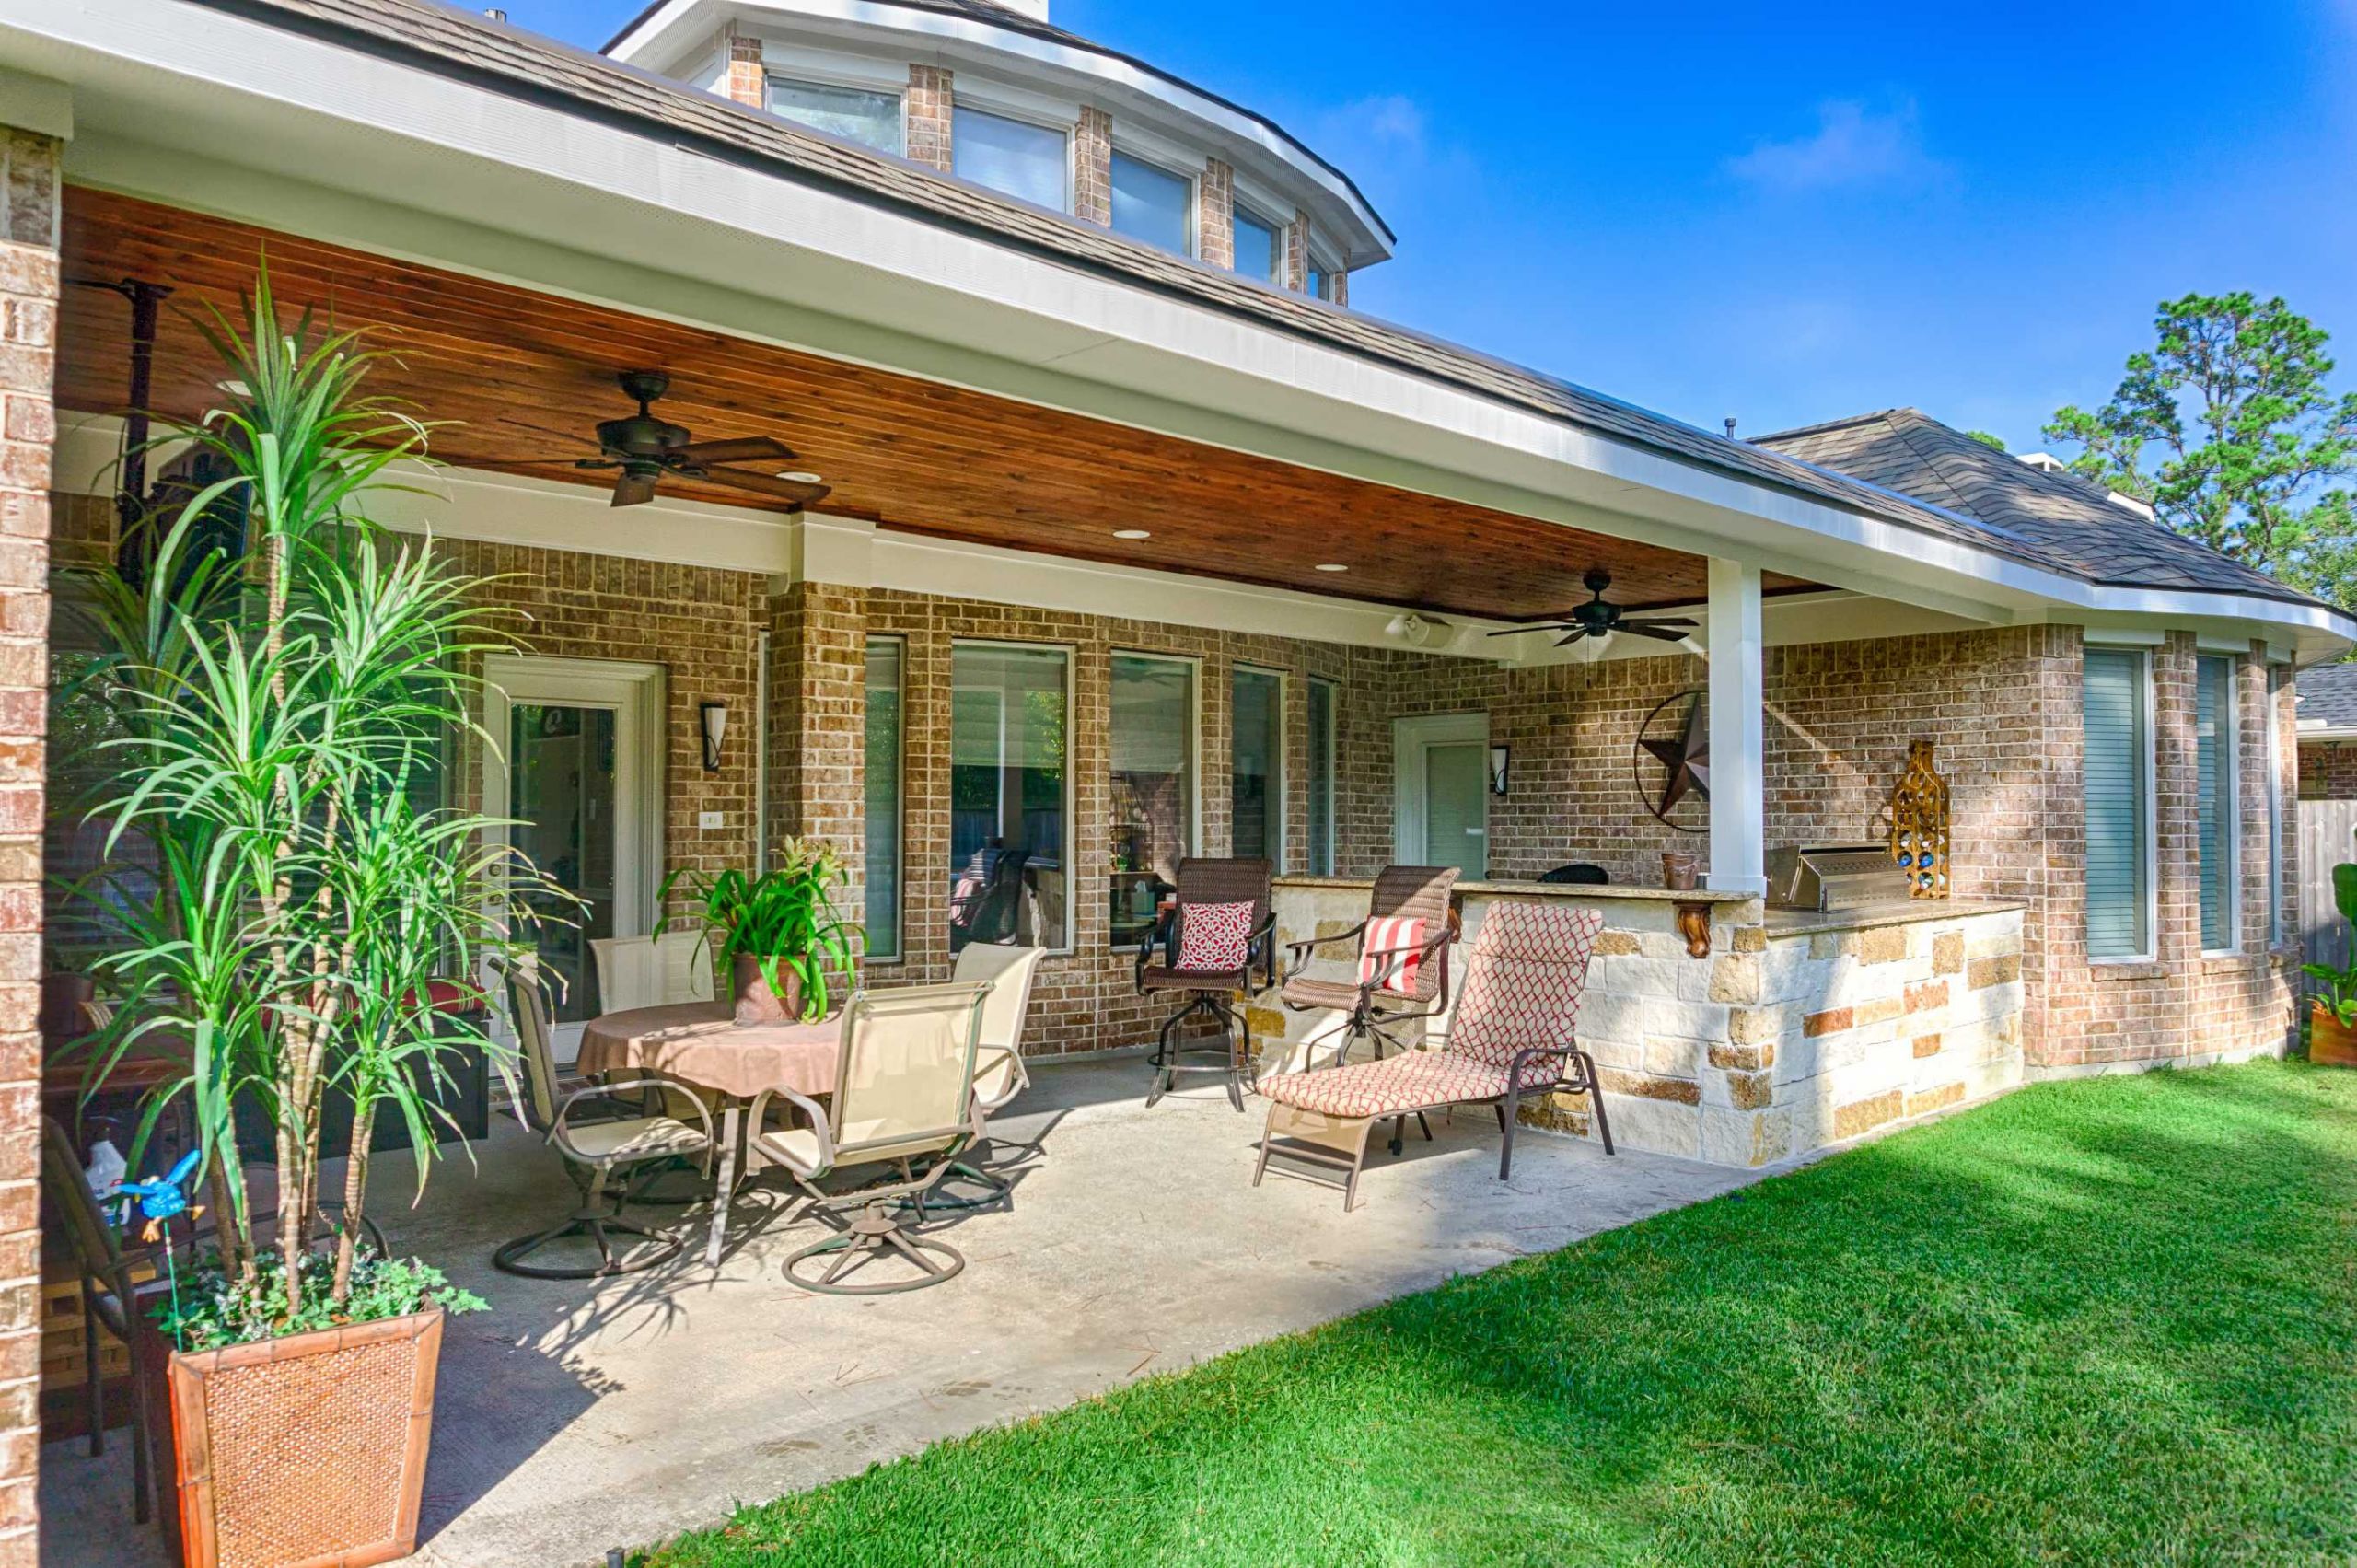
(1220,928)
(999,1072)
(104,1270)
(1403,946)
(1513,1036)
(595,1152)
(904,1093)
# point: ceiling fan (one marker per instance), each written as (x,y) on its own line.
(647,450)
(1599,620)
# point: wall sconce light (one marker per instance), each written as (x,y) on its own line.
(715,717)
(1501,757)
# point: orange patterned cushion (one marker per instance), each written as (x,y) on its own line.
(1414,1080)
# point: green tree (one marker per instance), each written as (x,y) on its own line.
(2226,426)
(1988,438)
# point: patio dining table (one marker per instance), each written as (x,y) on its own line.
(702,1044)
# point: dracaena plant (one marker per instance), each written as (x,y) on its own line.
(279,897)
(783,918)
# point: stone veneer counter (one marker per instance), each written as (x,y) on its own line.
(1797,1030)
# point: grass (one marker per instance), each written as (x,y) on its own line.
(2109,1321)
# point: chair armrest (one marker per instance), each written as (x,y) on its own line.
(808,1107)
(1514,1068)
(1153,938)
(557,1130)
(1262,944)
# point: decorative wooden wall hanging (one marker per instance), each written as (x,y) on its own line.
(1918,824)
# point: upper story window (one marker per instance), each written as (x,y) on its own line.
(1318,282)
(1260,246)
(1153,204)
(1022,160)
(852,113)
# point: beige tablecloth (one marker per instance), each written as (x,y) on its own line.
(701,1042)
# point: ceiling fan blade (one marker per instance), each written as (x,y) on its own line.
(744,449)
(792,490)
(633,490)
(1534,626)
(1577,634)
(1657,620)
(1659,632)
(536,459)
(573,436)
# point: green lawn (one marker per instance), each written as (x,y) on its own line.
(2112,1321)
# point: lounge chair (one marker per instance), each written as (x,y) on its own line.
(1402,948)
(1218,931)
(1512,1035)
(593,1151)
(904,1092)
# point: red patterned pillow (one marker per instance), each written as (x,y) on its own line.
(1214,938)
(1384,938)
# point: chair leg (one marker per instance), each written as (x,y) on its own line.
(94,1389)
(1239,1036)
(1425,1125)
(142,1459)
(1595,1098)
(1506,1110)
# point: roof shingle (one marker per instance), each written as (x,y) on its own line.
(2327,696)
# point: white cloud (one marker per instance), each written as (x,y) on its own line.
(1854,146)
(1390,120)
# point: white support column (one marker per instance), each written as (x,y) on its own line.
(1738,730)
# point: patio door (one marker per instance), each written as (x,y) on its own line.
(579,772)
(1440,772)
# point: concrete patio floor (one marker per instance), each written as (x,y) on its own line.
(576,1416)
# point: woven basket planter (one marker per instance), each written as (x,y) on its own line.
(307,1451)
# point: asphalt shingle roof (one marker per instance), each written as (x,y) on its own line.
(2055,529)
(2327,695)
(2062,514)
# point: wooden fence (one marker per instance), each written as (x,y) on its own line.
(2326,827)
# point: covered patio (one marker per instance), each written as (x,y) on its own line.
(574,1417)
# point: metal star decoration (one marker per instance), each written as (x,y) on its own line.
(1686,759)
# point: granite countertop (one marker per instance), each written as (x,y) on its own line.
(1581,892)
(1895,912)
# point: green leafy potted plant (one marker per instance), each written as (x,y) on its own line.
(2333,1018)
(776,935)
(282,907)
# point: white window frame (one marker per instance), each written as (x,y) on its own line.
(847,82)
(1279,825)
(1172,164)
(1071,846)
(2230,804)
(1411,738)
(1194,663)
(1333,772)
(2275,837)
(1023,109)
(900,817)
(1237,204)
(2148,823)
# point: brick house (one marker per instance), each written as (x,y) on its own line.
(1139,543)
(2328,732)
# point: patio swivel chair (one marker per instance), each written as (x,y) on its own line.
(103,1270)
(1402,975)
(1219,930)
(999,1072)
(1513,1036)
(904,1093)
(595,1152)
(651,971)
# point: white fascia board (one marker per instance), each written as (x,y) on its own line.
(744,250)
(2318,730)
(949,36)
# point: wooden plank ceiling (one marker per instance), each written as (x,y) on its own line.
(913,456)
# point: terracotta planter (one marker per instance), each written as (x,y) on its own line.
(308,1451)
(756,1003)
(2331,1044)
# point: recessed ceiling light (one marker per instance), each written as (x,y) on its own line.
(1332,566)
(800,477)
(1133,533)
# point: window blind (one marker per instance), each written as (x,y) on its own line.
(2119,783)
(883,791)
(2213,753)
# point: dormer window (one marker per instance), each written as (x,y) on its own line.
(872,118)
(1260,246)
(1024,160)
(1318,282)
(1153,204)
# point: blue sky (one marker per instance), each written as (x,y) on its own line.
(1792,212)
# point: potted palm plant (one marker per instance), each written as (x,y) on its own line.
(776,935)
(2332,1015)
(282,900)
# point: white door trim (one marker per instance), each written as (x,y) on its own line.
(1410,739)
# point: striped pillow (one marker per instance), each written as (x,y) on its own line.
(1385,937)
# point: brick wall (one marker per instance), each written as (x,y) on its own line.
(1092,166)
(29,293)
(924,112)
(2327,770)
(1215,215)
(746,82)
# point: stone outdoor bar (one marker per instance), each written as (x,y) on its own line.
(1794,1030)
